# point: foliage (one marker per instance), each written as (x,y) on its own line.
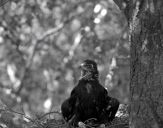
(43,42)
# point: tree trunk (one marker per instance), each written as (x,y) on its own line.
(145,18)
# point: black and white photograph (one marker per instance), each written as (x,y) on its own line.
(81,63)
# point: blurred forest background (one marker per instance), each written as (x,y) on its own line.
(42,43)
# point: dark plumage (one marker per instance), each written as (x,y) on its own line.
(89,99)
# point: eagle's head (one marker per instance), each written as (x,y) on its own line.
(89,70)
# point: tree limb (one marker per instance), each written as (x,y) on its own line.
(36,41)
(124,7)
(31,56)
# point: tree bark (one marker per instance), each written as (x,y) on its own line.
(145,18)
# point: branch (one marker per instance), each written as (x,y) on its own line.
(31,56)
(48,33)
(124,7)
(35,122)
(3,2)
(119,3)
(5,87)
(49,113)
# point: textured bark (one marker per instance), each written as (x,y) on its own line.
(146,65)
(146,36)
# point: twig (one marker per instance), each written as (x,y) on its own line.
(3,2)
(52,31)
(30,59)
(37,123)
(90,119)
(5,87)
(48,114)
(116,125)
(49,32)
(123,6)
